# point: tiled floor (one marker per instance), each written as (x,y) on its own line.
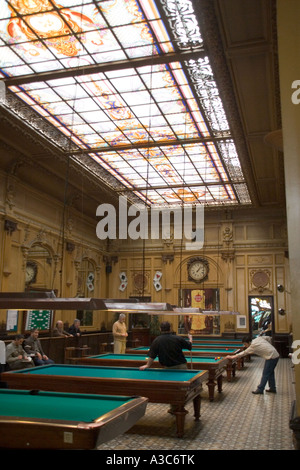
(236,420)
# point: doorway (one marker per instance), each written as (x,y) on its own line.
(261,315)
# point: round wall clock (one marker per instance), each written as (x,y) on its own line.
(198,270)
(31,272)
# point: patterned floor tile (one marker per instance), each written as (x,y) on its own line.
(236,420)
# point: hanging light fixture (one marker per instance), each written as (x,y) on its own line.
(19,301)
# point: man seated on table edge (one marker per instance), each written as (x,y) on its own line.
(168,348)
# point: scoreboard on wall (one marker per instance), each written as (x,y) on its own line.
(40,319)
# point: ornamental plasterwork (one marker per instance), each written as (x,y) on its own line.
(260,280)
(140,282)
(184,23)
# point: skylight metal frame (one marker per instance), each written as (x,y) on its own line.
(191,159)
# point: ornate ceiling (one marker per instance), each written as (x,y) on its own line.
(165,101)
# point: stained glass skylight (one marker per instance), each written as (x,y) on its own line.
(130,84)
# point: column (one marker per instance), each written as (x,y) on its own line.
(288,21)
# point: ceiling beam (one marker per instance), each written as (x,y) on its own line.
(106,67)
(145,145)
(178,186)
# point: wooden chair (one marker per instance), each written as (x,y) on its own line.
(103,347)
(69,355)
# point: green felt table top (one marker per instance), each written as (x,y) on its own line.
(143,357)
(214,340)
(67,370)
(56,405)
(213,351)
(206,344)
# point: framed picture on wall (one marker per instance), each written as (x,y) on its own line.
(12,320)
(241,321)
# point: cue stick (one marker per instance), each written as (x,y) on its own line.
(191,356)
(187,329)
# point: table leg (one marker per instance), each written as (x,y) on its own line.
(229,370)
(180,418)
(220,383)
(211,385)
(240,363)
(197,406)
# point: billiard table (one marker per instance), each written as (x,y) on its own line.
(55,420)
(215,344)
(215,352)
(219,343)
(198,339)
(176,387)
(215,366)
(196,351)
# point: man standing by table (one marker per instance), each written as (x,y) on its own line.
(168,348)
(261,346)
(120,334)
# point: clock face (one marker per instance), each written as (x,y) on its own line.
(198,270)
(30,273)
